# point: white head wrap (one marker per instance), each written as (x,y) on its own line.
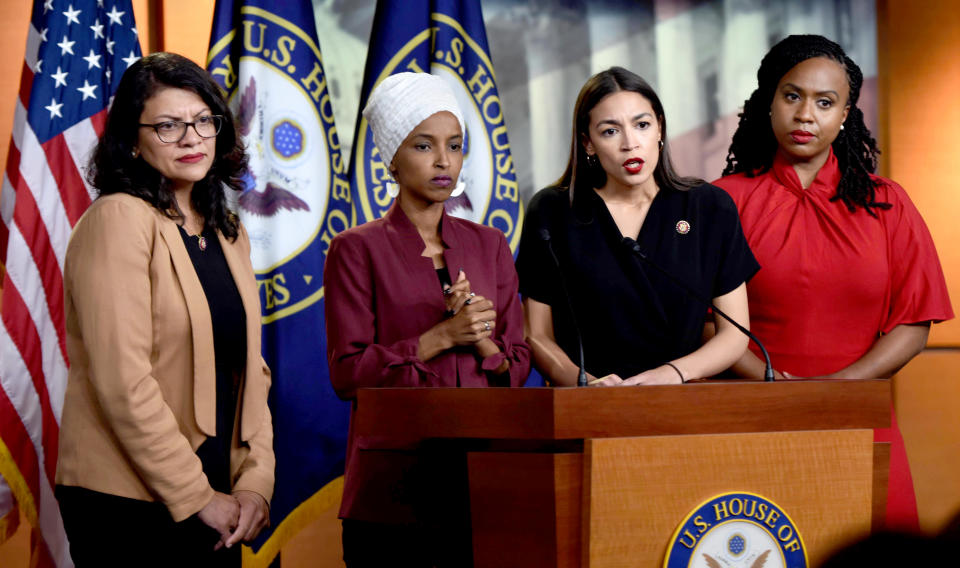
(401,102)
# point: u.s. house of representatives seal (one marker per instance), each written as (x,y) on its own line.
(736,530)
(492,195)
(297,197)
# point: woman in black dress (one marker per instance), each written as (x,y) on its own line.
(615,221)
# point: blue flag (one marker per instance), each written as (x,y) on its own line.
(446,38)
(266,56)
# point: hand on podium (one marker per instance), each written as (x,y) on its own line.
(611,380)
(666,374)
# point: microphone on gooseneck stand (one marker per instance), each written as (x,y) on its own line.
(545,237)
(634,247)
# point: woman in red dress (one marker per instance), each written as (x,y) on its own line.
(850,281)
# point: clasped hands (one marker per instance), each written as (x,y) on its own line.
(238,517)
(473,317)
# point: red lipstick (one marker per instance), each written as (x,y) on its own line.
(190,158)
(633,166)
(801,136)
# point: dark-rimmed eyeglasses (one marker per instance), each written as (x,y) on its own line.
(170,131)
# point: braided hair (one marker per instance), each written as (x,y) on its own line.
(754,145)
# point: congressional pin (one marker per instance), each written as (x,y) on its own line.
(683,227)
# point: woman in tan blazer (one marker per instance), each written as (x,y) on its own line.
(166,446)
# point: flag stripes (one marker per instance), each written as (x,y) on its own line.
(68,75)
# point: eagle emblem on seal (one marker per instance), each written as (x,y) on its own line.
(273,198)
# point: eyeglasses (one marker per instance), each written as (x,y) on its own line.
(171,131)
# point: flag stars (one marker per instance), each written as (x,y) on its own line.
(87,90)
(110,44)
(97,28)
(47,6)
(60,78)
(114,16)
(43,35)
(93,60)
(130,59)
(38,68)
(66,46)
(54,108)
(109,75)
(71,15)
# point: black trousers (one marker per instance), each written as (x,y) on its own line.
(376,545)
(107,530)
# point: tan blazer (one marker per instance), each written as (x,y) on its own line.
(141,392)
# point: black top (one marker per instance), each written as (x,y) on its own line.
(444,276)
(632,317)
(230,349)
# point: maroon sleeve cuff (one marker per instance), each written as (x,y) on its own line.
(493,362)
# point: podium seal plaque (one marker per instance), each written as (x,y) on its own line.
(736,530)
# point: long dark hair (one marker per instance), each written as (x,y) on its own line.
(579,172)
(754,145)
(114,169)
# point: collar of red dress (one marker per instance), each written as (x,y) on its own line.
(828,178)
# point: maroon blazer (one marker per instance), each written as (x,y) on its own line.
(381,295)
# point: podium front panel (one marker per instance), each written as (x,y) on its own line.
(638,491)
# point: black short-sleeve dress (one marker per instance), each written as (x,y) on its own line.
(632,317)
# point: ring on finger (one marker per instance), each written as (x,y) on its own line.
(447,291)
(472,294)
(486,326)
(467,301)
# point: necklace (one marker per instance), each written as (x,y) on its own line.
(201,240)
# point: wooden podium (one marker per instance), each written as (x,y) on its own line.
(599,477)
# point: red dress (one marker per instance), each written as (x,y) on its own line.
(832,280)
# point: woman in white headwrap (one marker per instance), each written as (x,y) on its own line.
(420,299)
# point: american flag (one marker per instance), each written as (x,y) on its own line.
(76,52)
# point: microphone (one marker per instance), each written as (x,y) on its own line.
(634,247)
(545,237)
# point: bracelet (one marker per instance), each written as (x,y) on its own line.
(682,381)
